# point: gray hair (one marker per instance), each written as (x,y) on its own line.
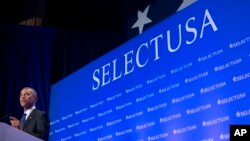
(33,91)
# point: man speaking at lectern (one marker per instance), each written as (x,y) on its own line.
(33,121)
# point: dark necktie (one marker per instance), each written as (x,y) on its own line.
(22,121)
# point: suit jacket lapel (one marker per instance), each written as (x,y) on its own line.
(30,118)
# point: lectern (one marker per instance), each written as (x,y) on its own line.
(9,133)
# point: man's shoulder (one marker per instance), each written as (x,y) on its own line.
(40,112)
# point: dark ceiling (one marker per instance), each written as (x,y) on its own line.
(113,16)
(91,15)
(108,15)
(99,15)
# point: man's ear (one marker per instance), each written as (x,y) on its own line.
(35,98)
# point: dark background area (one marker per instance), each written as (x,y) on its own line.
(113,16)
(44,41)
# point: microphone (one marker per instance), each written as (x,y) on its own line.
(6,115)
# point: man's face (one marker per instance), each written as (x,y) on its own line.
(27,99)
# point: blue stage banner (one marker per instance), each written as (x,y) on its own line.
(185,79)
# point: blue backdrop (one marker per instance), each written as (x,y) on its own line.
(186,78)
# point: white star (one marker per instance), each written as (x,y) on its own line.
(238,114)
(203,123)
(199,59)
(174,131)
(142,19)
(221,136)
(173,101)
(218,102)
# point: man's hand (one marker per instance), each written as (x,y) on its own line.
(14,122)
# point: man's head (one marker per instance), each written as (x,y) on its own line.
(28,97)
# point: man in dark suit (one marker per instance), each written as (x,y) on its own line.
(34,121)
